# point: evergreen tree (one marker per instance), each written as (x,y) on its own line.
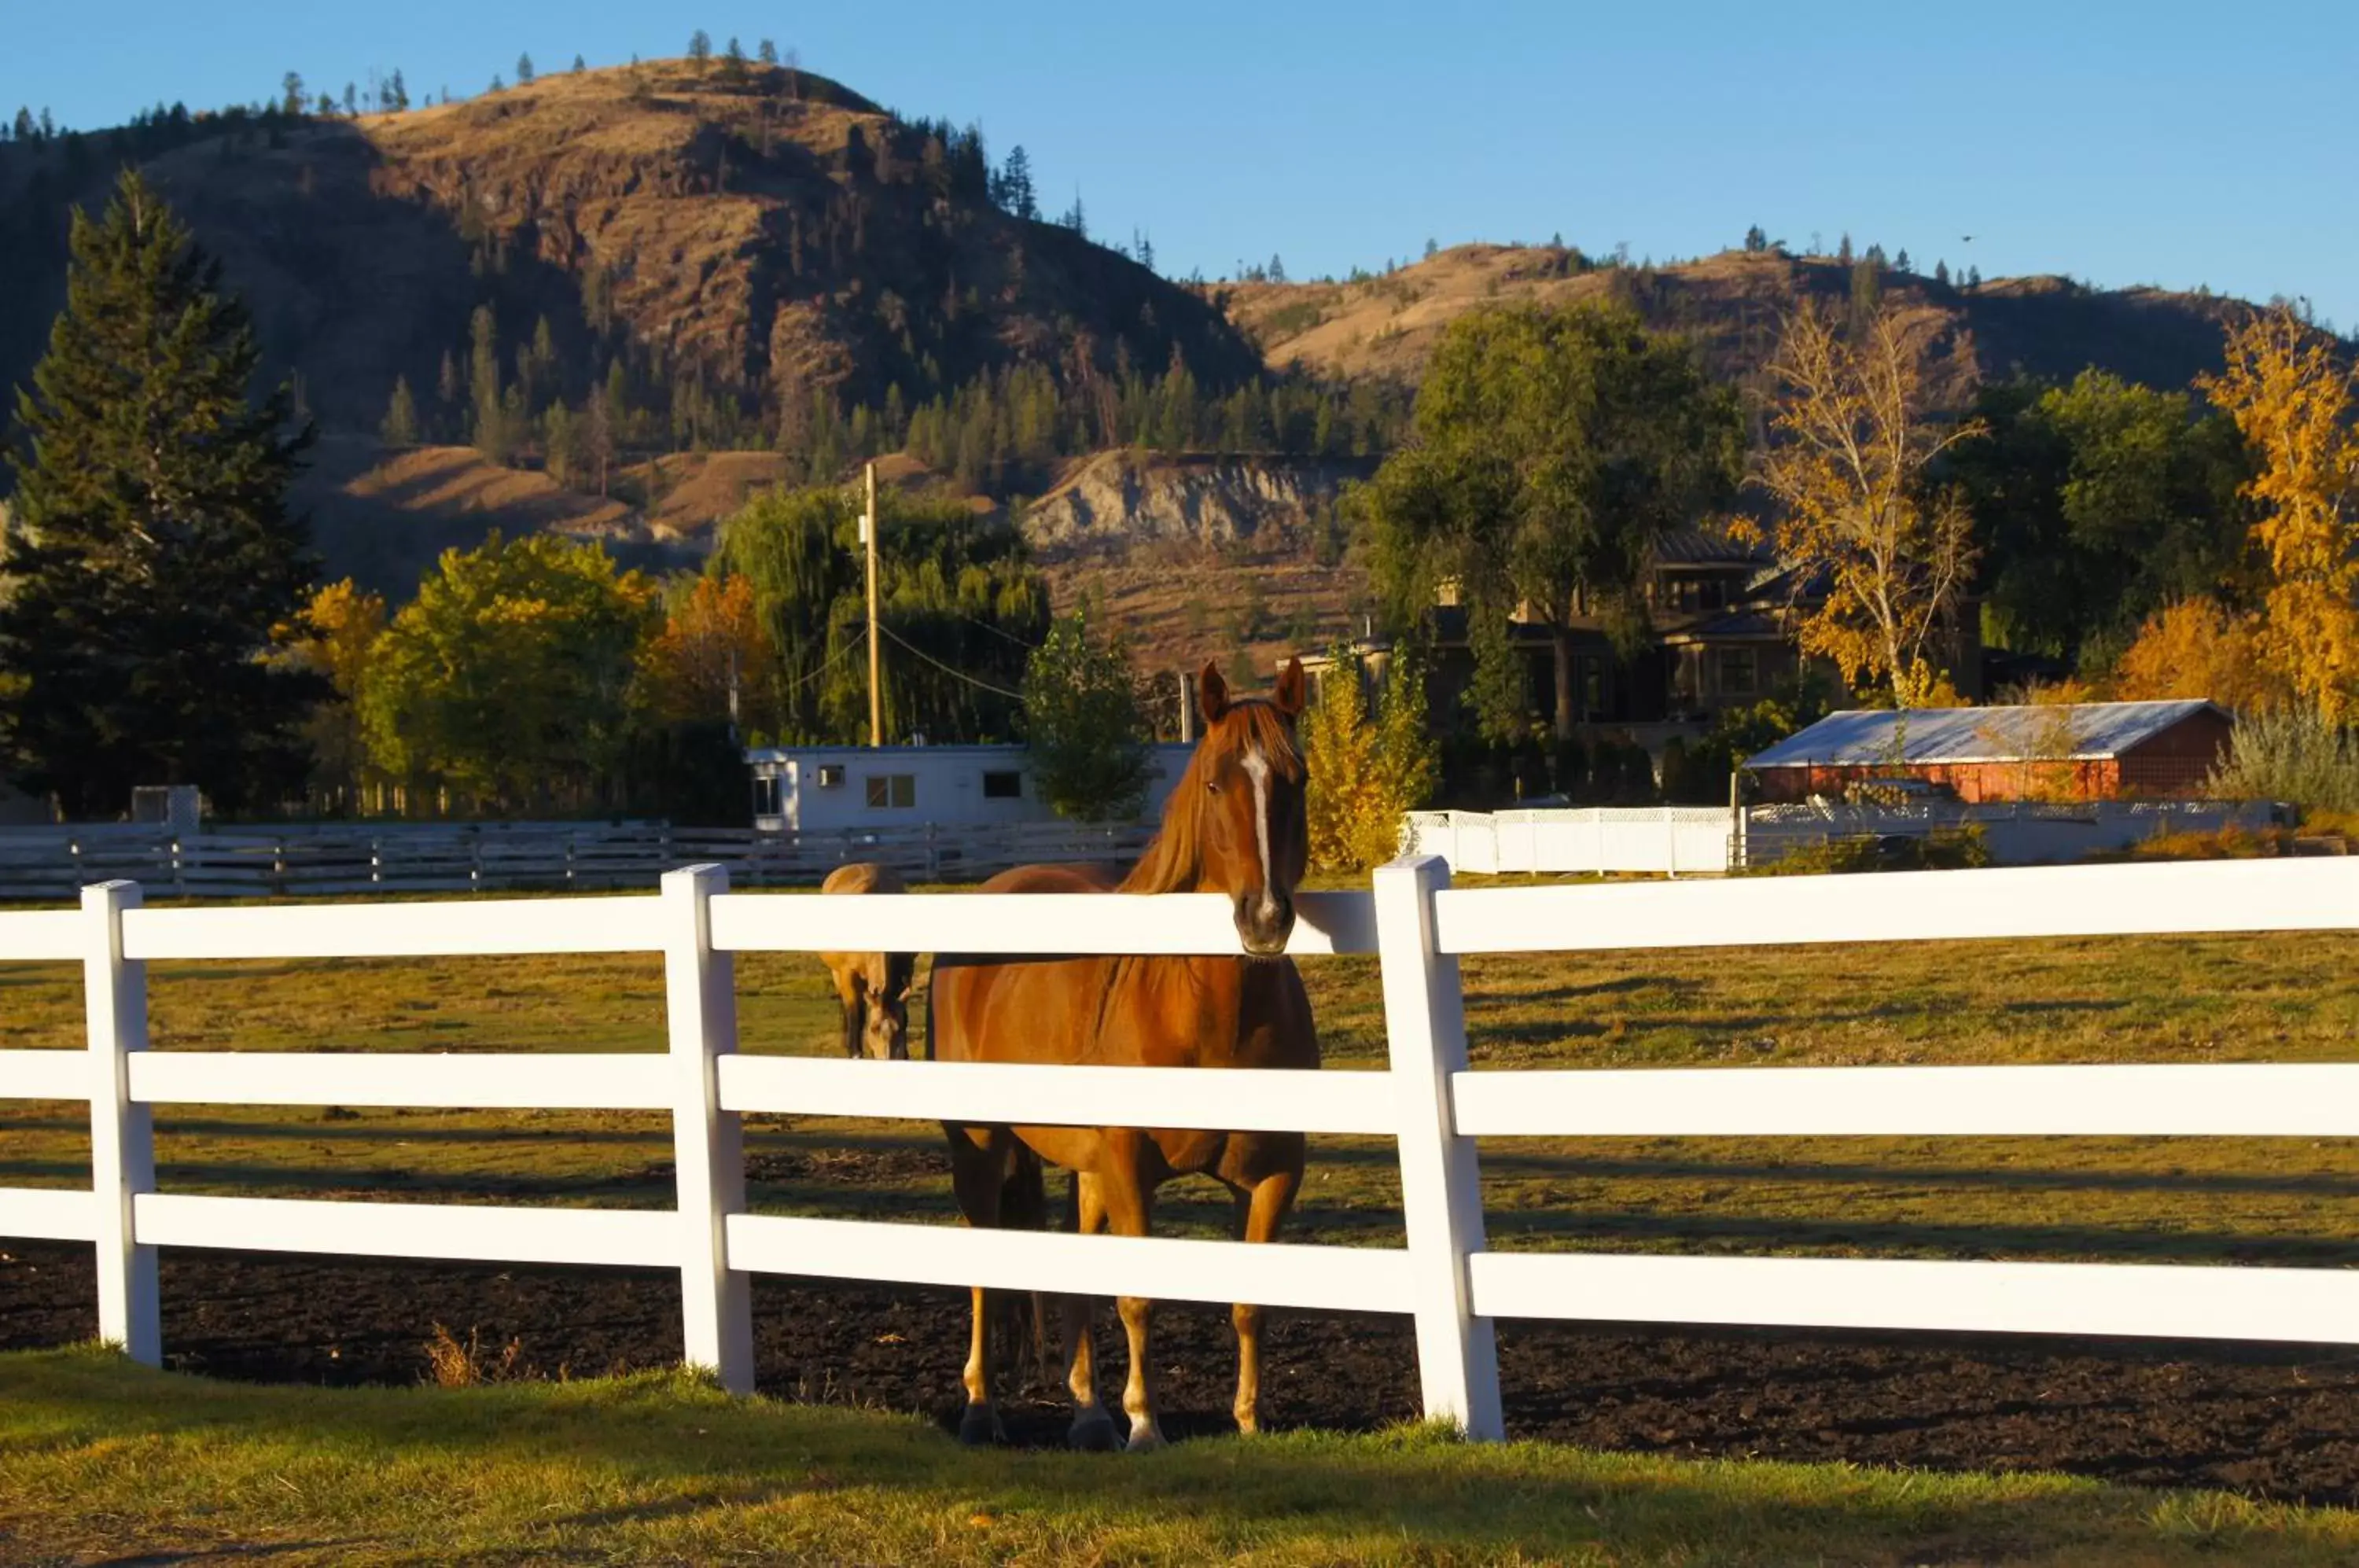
(490,432)
(1900,262)
(1842,252)
(580,65)
(497,85)
(292,98)
(1012,187)
(399,94)
(524,70)
(1276,268)
(1755,241)
(1973,276)
(152,553)
(352,100)
(700,45)
(1432,247)
(401,427)
(1942,273)
(1075,219)
(767,52)
(733,60)
(26,130)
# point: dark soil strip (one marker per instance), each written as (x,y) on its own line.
(2278,1422)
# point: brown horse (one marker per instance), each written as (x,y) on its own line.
(1235,825)
(872,986)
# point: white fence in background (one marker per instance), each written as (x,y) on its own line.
(1428,1101)
(445,857)
(1663,839)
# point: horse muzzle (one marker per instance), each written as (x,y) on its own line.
(1264,920)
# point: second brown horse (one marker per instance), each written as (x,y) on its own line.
(1235,825)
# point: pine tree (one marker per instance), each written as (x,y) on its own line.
(580,65)
(524,71)
(1755,241)
(1842,252)
(490,433)
(400,94)
(1013,186)
(700,45)
(292,98)
(767,52)
(401,427)
(153,552)
(1942,273)
(733,60)
(352,100)
(497,85)
(1900,262)
(26,130)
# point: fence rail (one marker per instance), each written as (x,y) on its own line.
(339,859)
(1428,1101)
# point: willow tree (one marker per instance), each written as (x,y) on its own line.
(1550,451)
(960,608)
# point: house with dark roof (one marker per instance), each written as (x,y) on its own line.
(1720,616)
(2090,751)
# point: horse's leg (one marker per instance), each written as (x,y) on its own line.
(1092,1428)
(975,1180)
(1128,1202)
(855,1013)
(1264,1206)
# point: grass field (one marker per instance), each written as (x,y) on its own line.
(656,1468)
(2275,998)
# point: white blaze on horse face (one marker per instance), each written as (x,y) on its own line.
(1256,767)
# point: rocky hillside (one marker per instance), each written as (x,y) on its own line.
(756,232)
(1388,326)
(1114,502)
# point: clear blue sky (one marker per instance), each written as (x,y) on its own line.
(2165,142)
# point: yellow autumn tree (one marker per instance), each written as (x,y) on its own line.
(1367,771)
(2199,647)
(712,636)
(336,636)
(1851,440)
(2293,401)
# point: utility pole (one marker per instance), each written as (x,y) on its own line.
(875,651)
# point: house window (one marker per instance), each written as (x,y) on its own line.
(1738,672)
(894,791)
(1592,686)
(766,795)
(1002,785)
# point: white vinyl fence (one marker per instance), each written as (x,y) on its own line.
(1428,1101)
(1663,839)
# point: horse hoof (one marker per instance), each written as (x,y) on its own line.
(1248,1425)
(1093,1433)
(980,1426)
(1145,1437)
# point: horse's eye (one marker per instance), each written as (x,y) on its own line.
(1212,789)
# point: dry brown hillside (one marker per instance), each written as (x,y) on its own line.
(760,232)
(1388,326)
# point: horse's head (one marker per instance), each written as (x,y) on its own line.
(1252,830)
(885,1032)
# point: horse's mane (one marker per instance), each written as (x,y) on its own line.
(1174,861)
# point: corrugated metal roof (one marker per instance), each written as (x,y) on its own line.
(2080,731)
(1697,547)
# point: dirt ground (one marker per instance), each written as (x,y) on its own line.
(2281,1423)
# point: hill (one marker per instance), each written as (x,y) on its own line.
(739,238)
(1388,326)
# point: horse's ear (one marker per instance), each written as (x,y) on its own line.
(1212,694)
(1292,689)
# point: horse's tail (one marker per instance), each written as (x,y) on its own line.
(1024,1204)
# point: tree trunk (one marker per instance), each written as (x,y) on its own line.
(1562,638)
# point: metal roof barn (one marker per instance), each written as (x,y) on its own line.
(2080,750)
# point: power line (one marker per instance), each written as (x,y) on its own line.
(997,631)
(955,674)
(840,655)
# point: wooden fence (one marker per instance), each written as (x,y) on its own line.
(1428,1102)
(53,863)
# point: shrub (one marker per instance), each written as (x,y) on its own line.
(1367,772)
(2290,754)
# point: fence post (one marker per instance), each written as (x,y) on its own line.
(708,1147)
(1441,1194)
(121,1131)
(1671,842)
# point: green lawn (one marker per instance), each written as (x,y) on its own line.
(656,1468)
